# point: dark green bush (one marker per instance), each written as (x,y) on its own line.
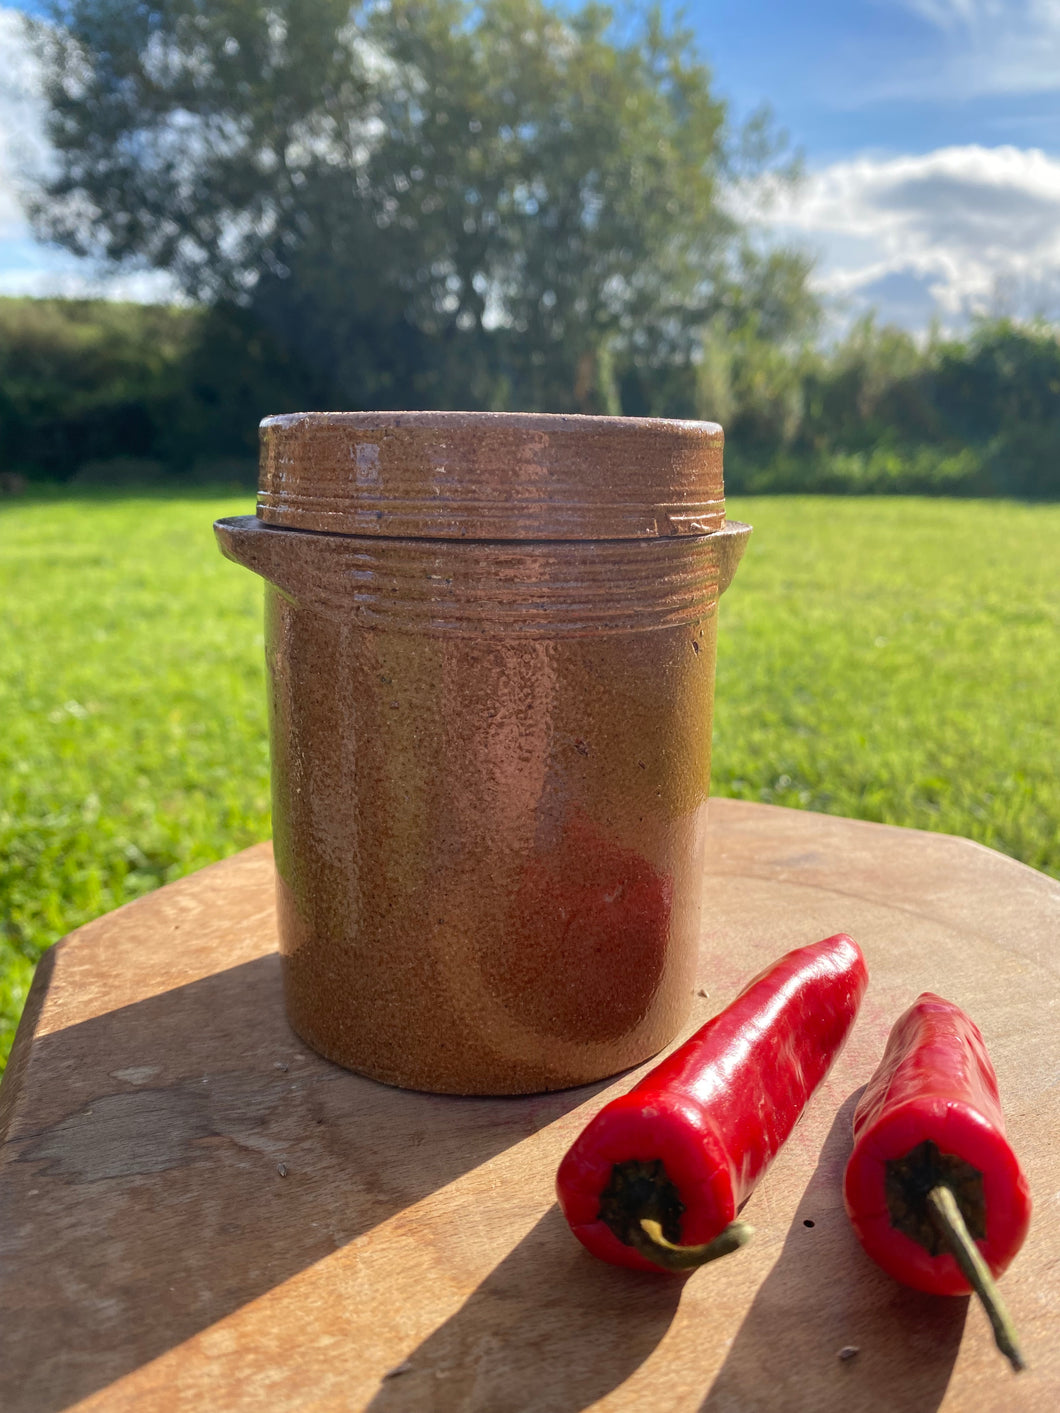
(110,394)
(115,394)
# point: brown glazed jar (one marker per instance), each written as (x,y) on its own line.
(490,642)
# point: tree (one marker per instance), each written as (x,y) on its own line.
(426,202)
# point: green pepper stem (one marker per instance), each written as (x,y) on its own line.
(946,1216)
(648,1239)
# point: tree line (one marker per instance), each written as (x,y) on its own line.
(101,392)
(422,203)
(435,203)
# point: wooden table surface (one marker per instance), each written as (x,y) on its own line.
(197,1212)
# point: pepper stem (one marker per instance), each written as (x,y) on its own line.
(950,1225)
(648,1239)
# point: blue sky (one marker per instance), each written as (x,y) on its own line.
(891,76)
(929,130)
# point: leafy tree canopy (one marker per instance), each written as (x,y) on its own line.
(426,202)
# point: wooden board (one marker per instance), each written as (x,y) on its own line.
(197,1212)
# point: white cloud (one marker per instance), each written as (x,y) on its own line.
(952,14)
(989,47)
(26,266)
(954,232)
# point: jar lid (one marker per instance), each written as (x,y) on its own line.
(491,475)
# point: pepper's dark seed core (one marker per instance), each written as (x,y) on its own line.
(638,1190)
(908,1181)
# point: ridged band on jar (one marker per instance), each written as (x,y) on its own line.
(491,476)
(551,589)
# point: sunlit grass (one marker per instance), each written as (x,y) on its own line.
(898,660)
(132,747)
(892,659)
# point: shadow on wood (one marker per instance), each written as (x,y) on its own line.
(520,1340)
(194,1155)
(824,1295)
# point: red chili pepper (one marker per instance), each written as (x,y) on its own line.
(667,1165)
(929,1122)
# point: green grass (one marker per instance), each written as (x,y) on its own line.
(132,745)
(893,659)
(897,660)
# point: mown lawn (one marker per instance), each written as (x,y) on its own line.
(893,659)
(898,660)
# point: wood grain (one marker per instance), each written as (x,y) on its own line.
(198,1212)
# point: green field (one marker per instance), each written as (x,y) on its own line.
(893,659)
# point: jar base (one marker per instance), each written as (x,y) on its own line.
(500,1084)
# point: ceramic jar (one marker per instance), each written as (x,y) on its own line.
(490,642)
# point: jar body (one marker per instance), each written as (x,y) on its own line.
(490,774)
(491,646)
